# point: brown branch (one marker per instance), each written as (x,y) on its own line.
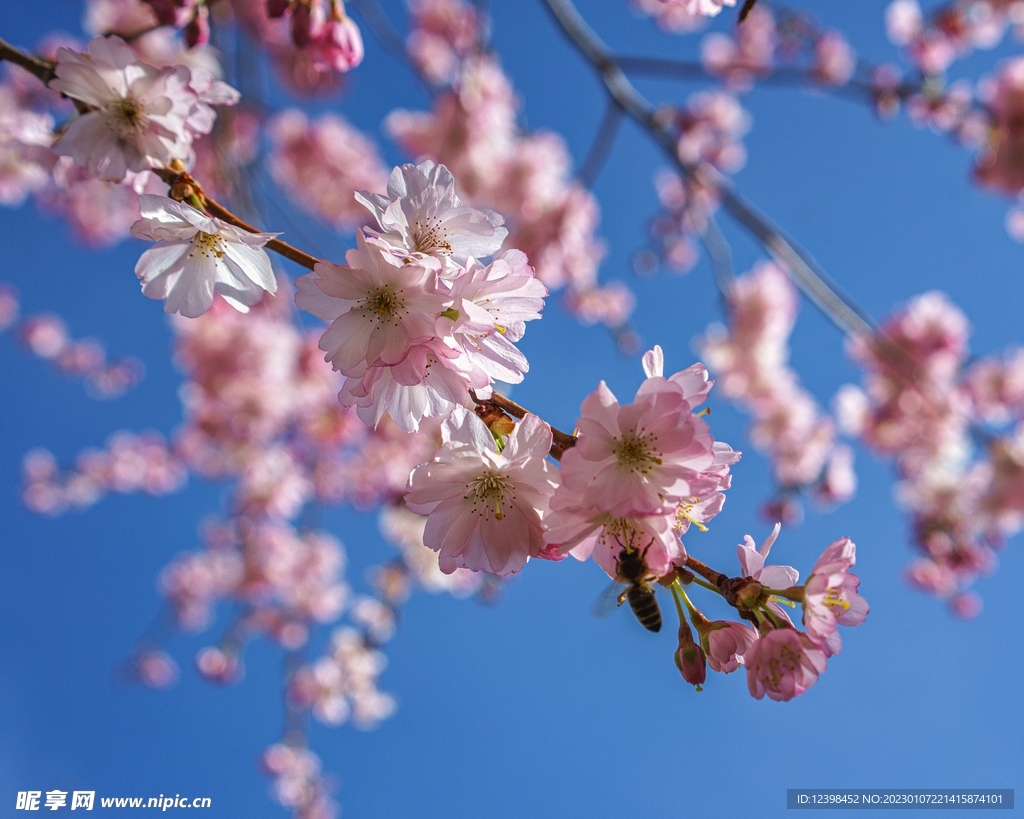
(181,184)
(716,579)
(41,68)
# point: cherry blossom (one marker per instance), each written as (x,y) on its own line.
(422,215)
(378,306)
(751,360)
(752,562)
(485,506)
(140,116)
(639,458)
(783,664)
(196,255)
(831,598)
(322,163)
(725,643)
(493,304)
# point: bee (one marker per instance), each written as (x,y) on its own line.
(630,568)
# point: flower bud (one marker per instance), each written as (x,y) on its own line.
(690,659)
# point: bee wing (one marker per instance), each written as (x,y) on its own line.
(607,600)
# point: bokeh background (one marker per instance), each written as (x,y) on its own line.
(532,707)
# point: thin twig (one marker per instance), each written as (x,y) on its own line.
(786,76)
(381,28)
(720,255)
(601,147)
(801,266)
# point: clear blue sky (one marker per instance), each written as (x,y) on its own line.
(532,708)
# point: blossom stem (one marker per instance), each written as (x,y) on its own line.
(677,590)
(706,585)
(794,593)
(716,579)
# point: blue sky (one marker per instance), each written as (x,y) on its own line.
(532,707)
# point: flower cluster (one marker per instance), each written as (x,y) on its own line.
(472,130)
(635,480)
(923,406)
(140,105)
(322,163)
(343,684)
(641,473)
(417,322)
(444,33)
(298,781)
(751,360)
(130,463)
(781,661)
(45,335)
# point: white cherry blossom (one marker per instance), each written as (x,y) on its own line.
(422,215)
(141,117)
(196,255)
(491,306)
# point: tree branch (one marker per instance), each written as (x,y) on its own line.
(801,266)
(601,146)
(41,68)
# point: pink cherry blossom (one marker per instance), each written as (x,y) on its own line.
(485,507)
(834,59)
(783,664)
(831,598)
(492,305)
(472,130)
(748,54)
(343,684)
(196,255)
(432,378)
(726,644)
(751,361)
(378,306)
(140,112)
(25,156)
(752,563)
(443,33)
(422,215)
(587,531)
(639,458)
(404,529)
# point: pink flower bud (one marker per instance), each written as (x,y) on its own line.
(690,659)
(342,44)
